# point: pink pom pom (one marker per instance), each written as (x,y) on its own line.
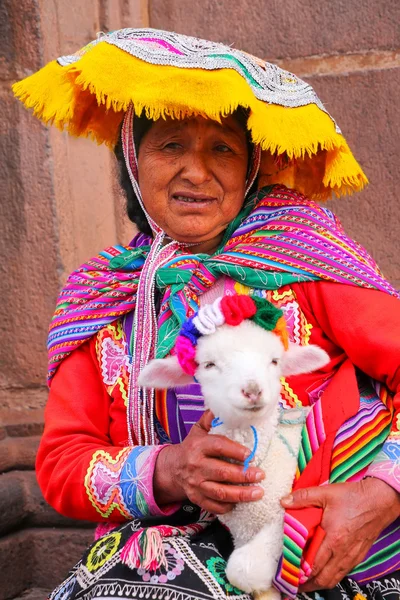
(186,352)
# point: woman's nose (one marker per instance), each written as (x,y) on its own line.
(196,169)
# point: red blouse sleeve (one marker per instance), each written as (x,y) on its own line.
(81,472)
(366,325)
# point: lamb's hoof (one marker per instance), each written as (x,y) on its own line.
(271,594)
(244,572)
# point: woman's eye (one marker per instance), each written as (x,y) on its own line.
(172,146)
(209,365)
(223,148)
(274,361)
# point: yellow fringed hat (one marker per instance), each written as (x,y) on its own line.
(168,74)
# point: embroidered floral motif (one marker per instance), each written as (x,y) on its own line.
(113,357)
(297,324)
(299,333)
(102,551)
(217,565)
(137,480)
(386,465)
(175,566)
(112,354)
(102,483)
(125,483)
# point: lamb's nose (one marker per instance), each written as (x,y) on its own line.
(252,392)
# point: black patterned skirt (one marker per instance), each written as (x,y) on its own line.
(193,569)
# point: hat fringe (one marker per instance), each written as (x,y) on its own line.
(90,96)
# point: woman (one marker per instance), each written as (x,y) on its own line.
(203,173)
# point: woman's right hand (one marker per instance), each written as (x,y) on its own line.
(195,469)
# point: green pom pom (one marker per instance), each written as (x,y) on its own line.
(267,314)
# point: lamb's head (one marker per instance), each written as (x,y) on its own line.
(237,349)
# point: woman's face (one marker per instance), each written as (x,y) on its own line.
(192,175)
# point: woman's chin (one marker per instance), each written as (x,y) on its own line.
(197,235)
(199,244)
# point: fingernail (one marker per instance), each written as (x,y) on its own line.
(257,494)
(288,499)
(260,475)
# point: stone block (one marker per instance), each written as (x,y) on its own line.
(20,422)
(17,560)
(39,558)
(18,453)
(365,107)
(22,505)
(293,28)
(13,509)
(65,546)
(20,39)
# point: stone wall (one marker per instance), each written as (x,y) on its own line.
(60,204)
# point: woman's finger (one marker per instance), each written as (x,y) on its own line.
(217,508)
(323,556)
(231,493)
(312,496)
(205,421)
(221,447)
(337,567)
(220,470)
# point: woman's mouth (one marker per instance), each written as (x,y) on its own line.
(192,198)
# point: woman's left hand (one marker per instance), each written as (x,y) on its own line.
(354,515)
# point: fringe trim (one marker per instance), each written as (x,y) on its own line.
(88,98)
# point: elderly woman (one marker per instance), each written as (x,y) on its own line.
(216,149)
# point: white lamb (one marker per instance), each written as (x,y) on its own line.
(239,370)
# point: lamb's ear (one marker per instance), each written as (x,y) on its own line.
(162,373)
(303,359)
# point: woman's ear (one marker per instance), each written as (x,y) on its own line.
(162,373)
(303,359)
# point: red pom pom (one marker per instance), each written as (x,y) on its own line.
(237,308)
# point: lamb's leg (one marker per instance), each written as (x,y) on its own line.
(252,567)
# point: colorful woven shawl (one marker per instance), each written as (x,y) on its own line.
(279,237)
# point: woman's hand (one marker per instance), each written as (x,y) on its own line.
(355,513)
(195,469)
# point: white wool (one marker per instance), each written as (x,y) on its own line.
(257,527)
(240,368)
(243,356)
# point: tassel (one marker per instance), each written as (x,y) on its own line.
(131,552)
(145,549)
(153,554)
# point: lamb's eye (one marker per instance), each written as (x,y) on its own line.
(209,365)
(274,361)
